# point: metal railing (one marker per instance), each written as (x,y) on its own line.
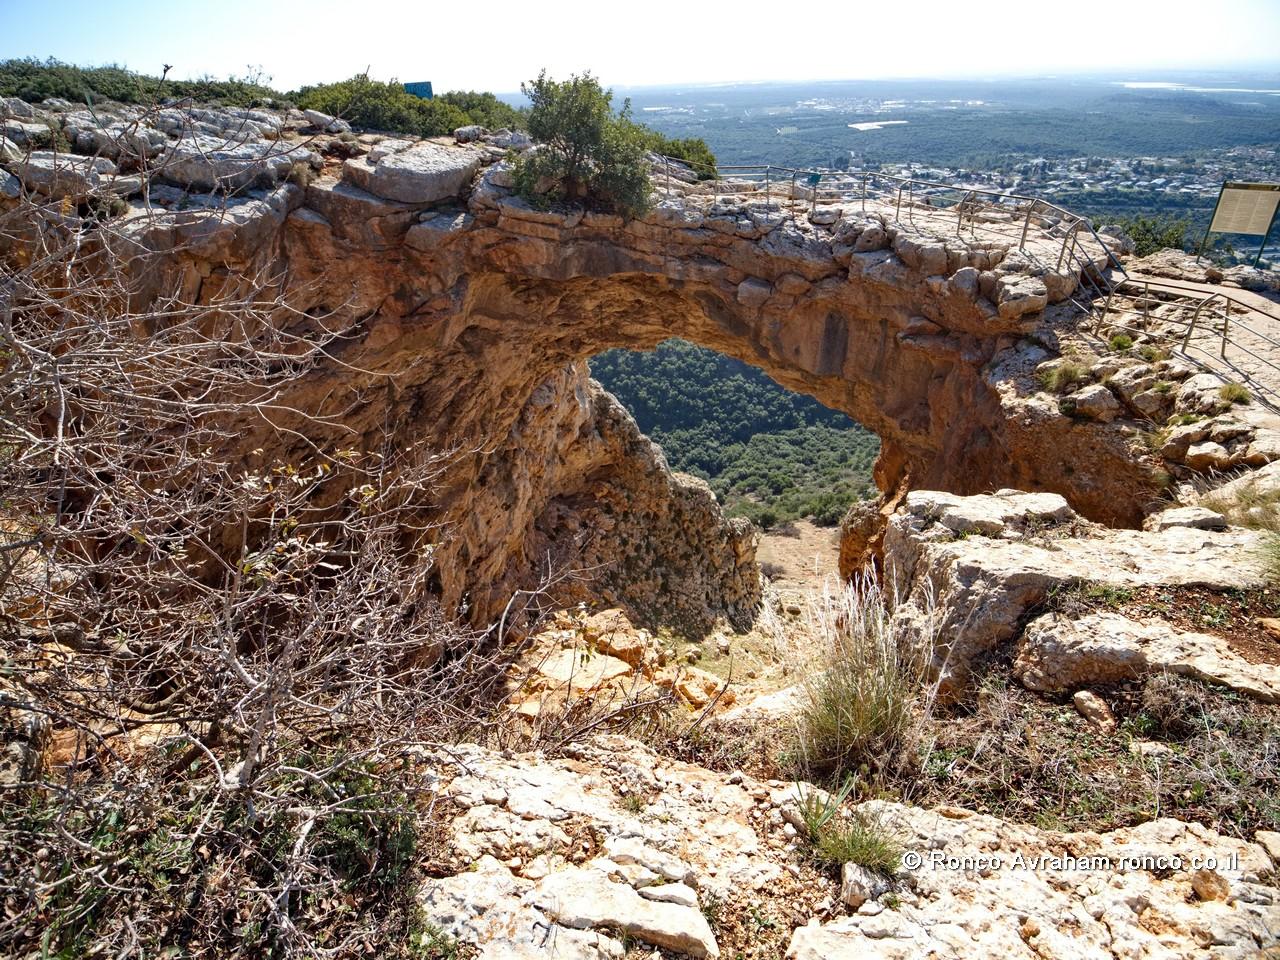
(1009,216)
(999,213)
(1217,317)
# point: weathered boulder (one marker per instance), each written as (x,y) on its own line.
(16,108)
(1058,652)
(59,175)
(424,173)
(325,122)
(969,570)
(207,163)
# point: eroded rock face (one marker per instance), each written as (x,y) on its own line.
(969,572)
(472,313)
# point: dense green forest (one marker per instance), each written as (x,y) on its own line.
(769,454)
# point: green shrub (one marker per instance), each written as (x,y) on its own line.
(692,150)
(375,105)
(1067,375)
(486,109)
(1158,232)
(1120,342)
(588,153)
(1234,393)
(35,80)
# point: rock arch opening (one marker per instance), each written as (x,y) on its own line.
(473,321)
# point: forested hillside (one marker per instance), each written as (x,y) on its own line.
(770,454)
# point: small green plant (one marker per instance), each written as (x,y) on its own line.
(633,803)
(835,840)
(1184,419)
(1120,343)
(712,908)
(432,943)
(1065,376)
(1234,393)
(1108,594)
(1152,354)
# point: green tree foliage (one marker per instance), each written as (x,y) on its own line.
(692,150)
(588,152)
(35,80)
(374,105)
(769,454)
(486,109)
(1155,232)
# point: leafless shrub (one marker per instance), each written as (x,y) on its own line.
(220,668)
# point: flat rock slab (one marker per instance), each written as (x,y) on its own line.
(424,173)
(1057,653)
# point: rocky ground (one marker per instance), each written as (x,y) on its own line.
(1098,774)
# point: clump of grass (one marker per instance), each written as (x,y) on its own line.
(1234,393)
(1108,594)
(860,838)
(1271,557)
(1120,343)
(1152,354)
(1065,376)
(301,174)
(1248,507)
(1184,419)
(859,710)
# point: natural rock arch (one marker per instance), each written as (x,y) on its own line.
(475,320)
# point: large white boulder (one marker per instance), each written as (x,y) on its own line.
(424,173)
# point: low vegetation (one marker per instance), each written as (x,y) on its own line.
(1064,377)
(770,455)
(34,80)
(1120,343)
(860,703)
(837,837)
(1234,393)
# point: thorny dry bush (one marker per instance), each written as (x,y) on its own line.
(219,674)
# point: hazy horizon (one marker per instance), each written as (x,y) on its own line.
(297,43)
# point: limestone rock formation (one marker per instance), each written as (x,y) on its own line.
(468,313)
(970,571)
(615,839)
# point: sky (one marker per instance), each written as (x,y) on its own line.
(496,44)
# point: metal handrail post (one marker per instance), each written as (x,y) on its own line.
(1186,340)
(1022,242)
(897,210)
(864,193)
(767,204)
(1226,321)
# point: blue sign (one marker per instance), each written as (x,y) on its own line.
(420,89)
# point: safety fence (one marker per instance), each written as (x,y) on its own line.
(1106,296)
